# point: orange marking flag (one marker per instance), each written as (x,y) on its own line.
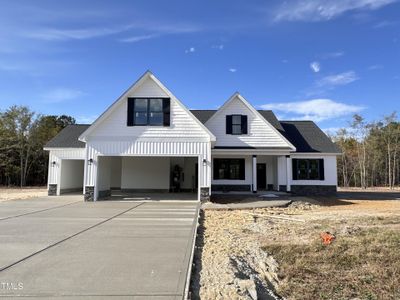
(327,238)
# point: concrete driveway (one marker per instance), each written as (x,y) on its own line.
(63,247)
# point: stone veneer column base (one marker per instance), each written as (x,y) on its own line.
(89,193)
(52,191)
(314,190)
(204,194)
(283,188)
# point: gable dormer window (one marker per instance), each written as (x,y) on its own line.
(148,112)
(236,124)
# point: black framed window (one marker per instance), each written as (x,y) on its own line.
(155,111)
(140,115)
(148,111)
(308,169)
(229,169)
(236,124)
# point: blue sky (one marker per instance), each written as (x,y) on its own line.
(319,60)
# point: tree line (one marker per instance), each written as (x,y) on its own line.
(370,152)
(23,133)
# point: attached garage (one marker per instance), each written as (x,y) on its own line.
(127,176)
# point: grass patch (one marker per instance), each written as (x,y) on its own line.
(365,265)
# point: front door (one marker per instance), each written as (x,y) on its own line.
(261,176)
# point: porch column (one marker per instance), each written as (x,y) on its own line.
(282,173)
(254,174)
(288,173)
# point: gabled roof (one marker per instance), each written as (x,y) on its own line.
(68,137)
(255,112)
(205,115)
(146,76)
(307,137)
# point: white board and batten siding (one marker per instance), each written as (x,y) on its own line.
(57,155)
(260,134)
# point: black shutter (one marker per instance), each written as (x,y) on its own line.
(216,168)
(228,124)
(321,169)
(241,169)
(294,168)
(130,112)
(166,112)
(244,124)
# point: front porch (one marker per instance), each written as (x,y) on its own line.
(247,171)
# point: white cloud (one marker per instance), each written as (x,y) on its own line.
(314,109)
(375,67)
(232,70)
(337,79)
(332,54)
(315,66)
(219,47)
(322,10)
(151,30)
(58,95)
(53,34)
(285,61)
(190,50)
(138,38)
(384,24)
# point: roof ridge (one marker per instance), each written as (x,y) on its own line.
(298,121)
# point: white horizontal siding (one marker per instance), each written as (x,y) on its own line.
(259,134)
(182,123)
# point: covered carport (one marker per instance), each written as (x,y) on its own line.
(147,178)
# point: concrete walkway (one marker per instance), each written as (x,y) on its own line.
(104,250)
(247,204)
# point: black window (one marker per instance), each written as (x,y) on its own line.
(148,111)
(230,169)
(308,169)
(236,124)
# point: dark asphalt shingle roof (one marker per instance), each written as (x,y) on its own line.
(68,137)
(306,136)
(204,115)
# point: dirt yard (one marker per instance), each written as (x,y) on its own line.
(21,193)
(278,253)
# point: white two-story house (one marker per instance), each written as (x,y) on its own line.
(149,141)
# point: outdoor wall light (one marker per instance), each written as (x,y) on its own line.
(53,163)
(204,162)
(90,161)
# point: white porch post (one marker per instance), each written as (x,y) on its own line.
(288,173)
(254,174)
(282,173)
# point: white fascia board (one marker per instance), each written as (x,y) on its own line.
(250,152)
(314,154)
(62,149)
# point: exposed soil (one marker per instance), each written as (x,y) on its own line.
(276,253)
(21,193)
